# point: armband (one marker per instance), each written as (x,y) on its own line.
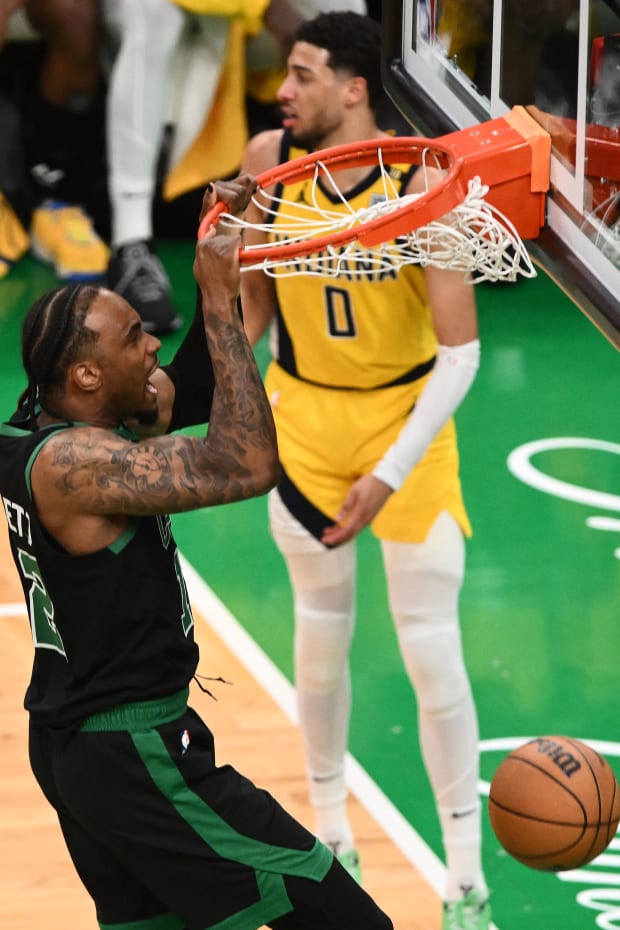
(449,382)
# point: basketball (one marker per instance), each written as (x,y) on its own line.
(554,803)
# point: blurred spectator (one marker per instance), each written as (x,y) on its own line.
(188,65)
(15,200)
(180,74)
(177,62)
(56,118)
(7,8)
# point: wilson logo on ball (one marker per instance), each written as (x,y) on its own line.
(559,755)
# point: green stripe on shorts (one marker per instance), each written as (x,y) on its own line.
(269,862)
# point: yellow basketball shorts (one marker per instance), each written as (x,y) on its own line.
(329,438)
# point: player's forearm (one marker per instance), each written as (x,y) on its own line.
(241,433)
(451,379)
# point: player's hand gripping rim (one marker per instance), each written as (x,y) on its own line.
(225,197)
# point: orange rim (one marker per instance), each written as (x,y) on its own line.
(429,206)
(510,154)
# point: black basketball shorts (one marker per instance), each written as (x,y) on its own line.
(164,839)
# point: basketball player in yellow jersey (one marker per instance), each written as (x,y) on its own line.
(365,379)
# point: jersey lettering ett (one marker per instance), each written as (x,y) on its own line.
(110,627)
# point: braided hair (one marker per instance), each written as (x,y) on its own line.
(53,335)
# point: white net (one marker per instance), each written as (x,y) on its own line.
(473,238)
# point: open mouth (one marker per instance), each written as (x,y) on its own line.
(150,387)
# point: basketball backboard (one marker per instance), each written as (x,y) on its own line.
(449,64)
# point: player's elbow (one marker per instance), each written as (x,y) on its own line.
(268,476)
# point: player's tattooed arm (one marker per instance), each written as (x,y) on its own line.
(93,471)
(96,472)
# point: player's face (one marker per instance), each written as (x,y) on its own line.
(312,97)
(126,356)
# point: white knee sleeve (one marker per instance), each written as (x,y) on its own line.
(424,581)
(323,587)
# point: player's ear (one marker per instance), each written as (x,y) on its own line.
(86,375)
(356,90)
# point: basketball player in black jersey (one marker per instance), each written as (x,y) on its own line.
(162,837)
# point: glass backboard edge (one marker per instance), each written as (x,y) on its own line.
(549,252)
(592,295)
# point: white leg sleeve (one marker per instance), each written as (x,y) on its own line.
(323,587)
(424,581)
(137,104)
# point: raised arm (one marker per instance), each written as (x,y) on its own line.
(88,480)
(186,383)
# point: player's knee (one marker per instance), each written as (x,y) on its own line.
(433,656)
(322,643)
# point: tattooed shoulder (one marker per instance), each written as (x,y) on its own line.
(113,474)
(144,466)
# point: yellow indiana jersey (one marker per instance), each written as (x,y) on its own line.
(344,331)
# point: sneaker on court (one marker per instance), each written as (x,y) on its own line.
(471,912)
(349,860)
(137,274)
(14,240)
(63,235)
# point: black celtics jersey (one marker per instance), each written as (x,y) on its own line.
(109,627)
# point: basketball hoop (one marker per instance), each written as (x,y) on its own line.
(460,223)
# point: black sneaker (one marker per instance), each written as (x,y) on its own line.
(137,274)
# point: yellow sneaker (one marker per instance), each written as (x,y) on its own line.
(14,240)
(63,236)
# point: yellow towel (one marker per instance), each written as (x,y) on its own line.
(250,11)
(217,149)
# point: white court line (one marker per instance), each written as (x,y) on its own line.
(13,610)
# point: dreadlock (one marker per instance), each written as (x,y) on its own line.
(53,335)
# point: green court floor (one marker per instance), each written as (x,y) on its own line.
(540,451)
